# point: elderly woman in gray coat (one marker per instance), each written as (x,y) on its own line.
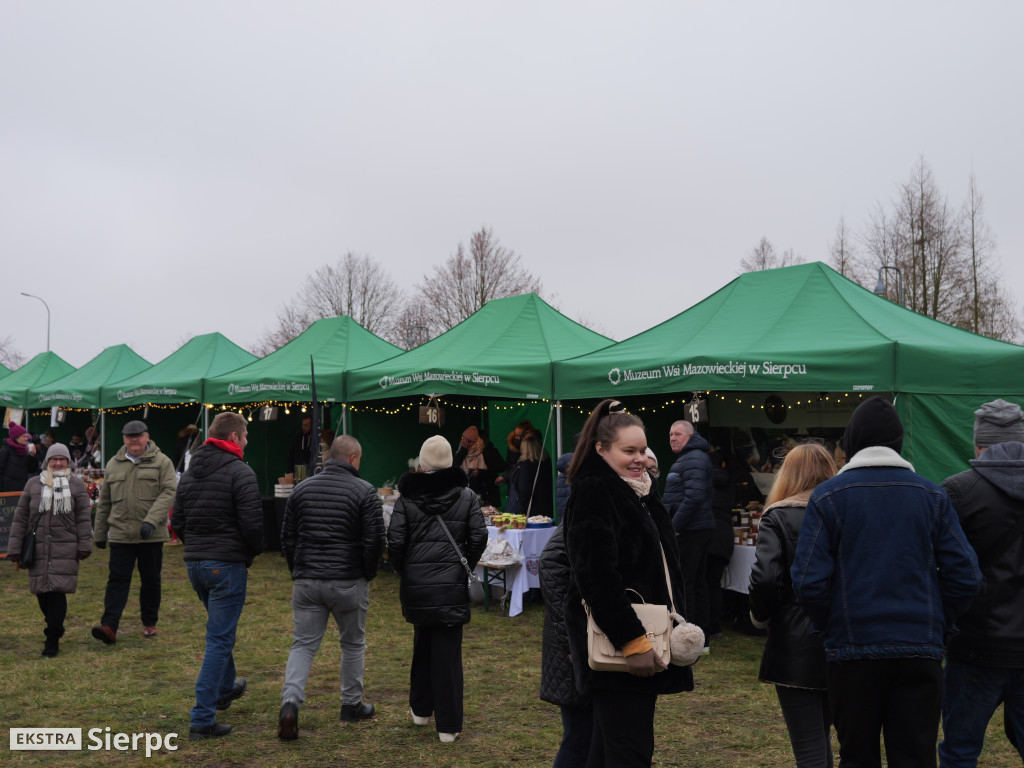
(55,505)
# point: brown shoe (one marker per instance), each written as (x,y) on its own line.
(104,633)
(149,632)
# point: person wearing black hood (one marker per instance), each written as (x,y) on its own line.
(986,659)
(883,569)
(436,503)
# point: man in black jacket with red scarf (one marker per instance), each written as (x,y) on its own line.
(218,515)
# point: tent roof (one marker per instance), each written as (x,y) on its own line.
(336,344)
(4,370)
(503,350)
(178,377)
(41,369)
(800,328)
(81,389)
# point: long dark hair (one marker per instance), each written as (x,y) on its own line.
(602,427)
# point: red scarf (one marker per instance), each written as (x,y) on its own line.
(226,445)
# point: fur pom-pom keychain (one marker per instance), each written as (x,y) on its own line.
(686,642)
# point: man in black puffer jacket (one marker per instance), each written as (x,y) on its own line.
(332,537)
(688,493)
(218,515)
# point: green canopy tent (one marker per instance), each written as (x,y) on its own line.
(175,381)
(336,344)
(16,387)
(502,352)
(81,388)
(808,329)
(4,370)
(178,378)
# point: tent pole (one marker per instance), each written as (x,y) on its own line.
(344,418)
(103,438)
(558,428)
(206,421)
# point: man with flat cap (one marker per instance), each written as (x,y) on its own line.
(883,570)
(138,488)
(985,667)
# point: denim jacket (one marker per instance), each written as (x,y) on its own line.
(882,566)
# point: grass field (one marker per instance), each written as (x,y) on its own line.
(146,686)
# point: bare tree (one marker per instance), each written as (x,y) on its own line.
(763,256)
(985,306)
(356,286)
(469,279)
(842,252)
(415,324)
(9,355)
(946,257)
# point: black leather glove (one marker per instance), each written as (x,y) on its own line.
(146,530)
(101,545)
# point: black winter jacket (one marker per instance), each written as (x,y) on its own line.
(721,508)
(688,487)
(433,590)
(217,510)
(333,526)
(989,500)
(792,655)
(15,470)
(613,541)
(542,493)
(557,681)
(562,489)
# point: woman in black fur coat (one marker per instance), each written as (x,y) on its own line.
(434,593)
(619,537)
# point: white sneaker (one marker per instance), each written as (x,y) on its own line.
(447,738)
(417,720)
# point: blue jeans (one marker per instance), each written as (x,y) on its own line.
(971,696)
(313,600)
(221,587)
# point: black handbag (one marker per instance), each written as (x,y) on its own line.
(28,546)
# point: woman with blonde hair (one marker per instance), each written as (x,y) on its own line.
(793,659)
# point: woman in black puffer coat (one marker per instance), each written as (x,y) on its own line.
(619,537)
(793,658)
(434,593)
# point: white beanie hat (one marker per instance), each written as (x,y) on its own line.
(435,453)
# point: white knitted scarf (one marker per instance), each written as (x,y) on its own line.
(640,487)
(56,493)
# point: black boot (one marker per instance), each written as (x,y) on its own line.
(52,645)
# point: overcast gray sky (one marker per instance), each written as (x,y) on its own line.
(171,169)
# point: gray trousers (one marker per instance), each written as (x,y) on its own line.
(312,601)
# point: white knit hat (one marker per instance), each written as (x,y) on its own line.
(435,453)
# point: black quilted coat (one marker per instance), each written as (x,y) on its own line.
(217,509)
(333,526)
(433,591)
(557,682)
(613,541)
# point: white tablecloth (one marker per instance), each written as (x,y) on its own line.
(529,543)
(736,576)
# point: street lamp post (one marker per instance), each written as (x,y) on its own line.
(880,287)
(32,296)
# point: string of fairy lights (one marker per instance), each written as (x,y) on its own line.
(756,401)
